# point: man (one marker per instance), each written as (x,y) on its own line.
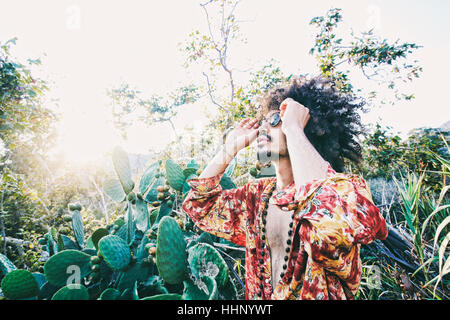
(303,228)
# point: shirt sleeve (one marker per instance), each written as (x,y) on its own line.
(338,217)
(223,213)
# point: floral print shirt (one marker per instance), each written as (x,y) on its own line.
(332,218)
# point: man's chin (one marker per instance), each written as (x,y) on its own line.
(266,155)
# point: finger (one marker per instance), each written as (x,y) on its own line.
(243,122)
(251,123)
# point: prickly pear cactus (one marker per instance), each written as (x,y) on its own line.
(205,260)
(72,292)
(166,296)
(97,235)
(115,251)
(142,255)
(202,289)
(110,294)
(174,175)
(6,266)
(78,229)
(65,263)
(123,169)
(19,284)
(171,251)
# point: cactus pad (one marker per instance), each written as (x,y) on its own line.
(19,284)
(205,260)
(6,266)
(110,294)
(174,174)
(203,289)
(166,296)
(61,266)
(123,169)
(78,229)
(115,251)
(97,235)
(171,251)
(72,292)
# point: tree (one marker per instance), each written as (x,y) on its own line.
(378,59)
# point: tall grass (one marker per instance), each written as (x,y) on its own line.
(414,262)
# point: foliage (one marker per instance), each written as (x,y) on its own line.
(379,60)
(123,261)
(386,155)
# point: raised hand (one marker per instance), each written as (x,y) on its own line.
(242,135)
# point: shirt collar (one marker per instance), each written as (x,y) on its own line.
(288,195)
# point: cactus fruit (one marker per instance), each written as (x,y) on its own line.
(19,284)
(204,259)
(115,251)
(171,251)
(61,266)
(72,292)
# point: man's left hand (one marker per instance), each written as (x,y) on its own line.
(293,115)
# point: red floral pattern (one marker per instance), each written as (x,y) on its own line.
(333,217)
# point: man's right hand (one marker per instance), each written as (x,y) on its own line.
(241,136)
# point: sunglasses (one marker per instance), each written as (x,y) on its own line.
(274,120)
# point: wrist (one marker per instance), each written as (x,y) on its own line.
(228,152)
(294,131)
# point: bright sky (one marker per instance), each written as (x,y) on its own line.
(87,47)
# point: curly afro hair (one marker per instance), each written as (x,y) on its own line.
(334,123)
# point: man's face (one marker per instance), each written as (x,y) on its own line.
(271,141)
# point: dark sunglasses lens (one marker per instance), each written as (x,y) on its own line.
(275,119)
